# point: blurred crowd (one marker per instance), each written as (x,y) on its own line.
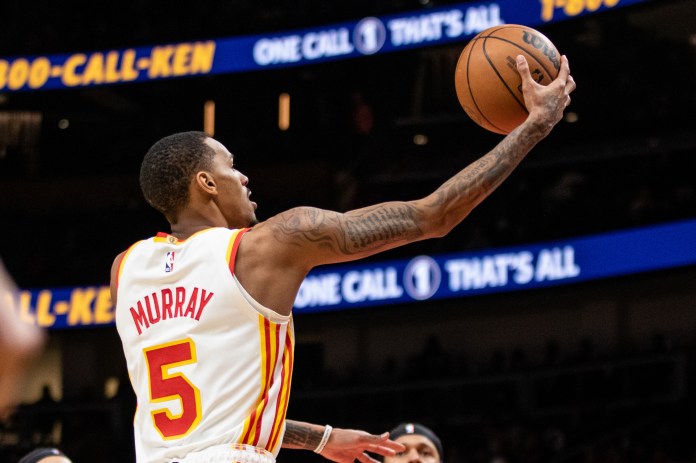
(538,203)
(572,406)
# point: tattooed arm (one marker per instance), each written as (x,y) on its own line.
(344,445)
(325,237)
(299,435)
(302,238)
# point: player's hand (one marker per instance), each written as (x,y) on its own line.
(546,103)
(348,445)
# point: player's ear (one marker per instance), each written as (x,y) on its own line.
(205,182)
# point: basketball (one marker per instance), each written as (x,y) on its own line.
(488,86)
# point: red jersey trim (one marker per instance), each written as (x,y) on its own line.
(234,245)
(163,237)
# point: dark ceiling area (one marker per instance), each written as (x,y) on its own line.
(69,195)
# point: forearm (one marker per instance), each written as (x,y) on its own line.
(300,435)
(337,444)
(459,195)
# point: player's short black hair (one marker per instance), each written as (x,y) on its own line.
(169,166)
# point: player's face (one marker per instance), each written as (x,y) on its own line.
(233,199)
(419,449)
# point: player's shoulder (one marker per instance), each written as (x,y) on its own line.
(297,219)
(283,240)
(117,263)
(119,257)
(115,267)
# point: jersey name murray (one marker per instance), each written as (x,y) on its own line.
(168,303)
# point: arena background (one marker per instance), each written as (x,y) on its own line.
(587,372)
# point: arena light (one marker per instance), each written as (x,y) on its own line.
(284,111)
(420,139)
(209,118)
(571,117)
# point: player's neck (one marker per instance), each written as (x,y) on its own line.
(184,233)
(201,213)
(188,225)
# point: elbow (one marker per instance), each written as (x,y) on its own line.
(438,218)
(443,231)
(440,226)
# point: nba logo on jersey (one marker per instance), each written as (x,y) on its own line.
(169,262)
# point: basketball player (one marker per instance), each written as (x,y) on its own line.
(204,311)
(421,444)
(20,342)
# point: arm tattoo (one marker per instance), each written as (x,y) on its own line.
(378,226)
(381,225)
(349,233)
(473,184)
(298,436)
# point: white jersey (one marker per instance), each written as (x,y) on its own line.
(210,366)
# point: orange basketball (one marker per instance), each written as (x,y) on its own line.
(489,88)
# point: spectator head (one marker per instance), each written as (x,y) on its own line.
(45,455)
(422,445)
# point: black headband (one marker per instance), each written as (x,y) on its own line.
(419,429)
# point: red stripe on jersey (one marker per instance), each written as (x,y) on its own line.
(252,418)
(252,433)
(270,376)
(284,395)
(235,245)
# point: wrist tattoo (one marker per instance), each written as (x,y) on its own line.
(301,436)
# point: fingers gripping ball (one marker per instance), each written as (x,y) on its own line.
(488,86)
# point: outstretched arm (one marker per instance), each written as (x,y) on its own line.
(302,238)
(342,446)
(320,237)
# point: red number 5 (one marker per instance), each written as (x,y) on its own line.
(166,386)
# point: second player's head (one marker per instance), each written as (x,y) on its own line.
(422,444)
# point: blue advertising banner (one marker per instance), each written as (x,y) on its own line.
(507,269)
(426,277)
(367,36)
